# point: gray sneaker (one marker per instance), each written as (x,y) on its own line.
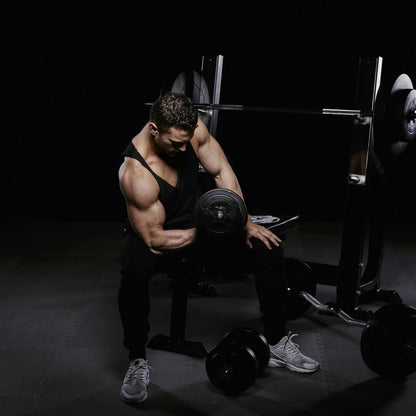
(286,354)
(135,382)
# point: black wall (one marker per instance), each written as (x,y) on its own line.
(75,76)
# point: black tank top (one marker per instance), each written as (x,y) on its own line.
(179,201)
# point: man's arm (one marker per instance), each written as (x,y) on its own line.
(147,214)
(215,162)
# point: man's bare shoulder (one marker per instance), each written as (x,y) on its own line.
(137,184)
(201,134)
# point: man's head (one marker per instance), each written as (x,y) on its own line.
(173,120)
(174,110)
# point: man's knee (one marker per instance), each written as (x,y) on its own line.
(260,250)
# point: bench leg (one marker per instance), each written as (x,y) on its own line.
(176,342)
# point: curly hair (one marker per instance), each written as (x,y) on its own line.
(174,110)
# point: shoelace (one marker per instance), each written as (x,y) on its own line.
(139,372)
(290,346)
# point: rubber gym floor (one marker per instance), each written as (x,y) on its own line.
(61,342)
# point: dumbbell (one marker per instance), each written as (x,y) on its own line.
(220,214)
(234,364)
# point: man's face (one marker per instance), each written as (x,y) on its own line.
(173,142)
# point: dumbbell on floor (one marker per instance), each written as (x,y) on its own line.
(234,364)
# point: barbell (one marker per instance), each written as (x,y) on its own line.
(394,113)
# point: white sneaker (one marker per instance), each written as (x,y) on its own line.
(135,382)
(286,354)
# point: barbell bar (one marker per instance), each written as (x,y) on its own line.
(333,309)
(317,111)
(410,115)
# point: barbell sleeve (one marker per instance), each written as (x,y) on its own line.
(342,112)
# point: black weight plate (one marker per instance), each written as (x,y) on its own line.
(252,339)
(299,278)
(231,368)
(388,343)
(220,213)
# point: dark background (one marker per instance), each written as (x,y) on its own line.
(76,75)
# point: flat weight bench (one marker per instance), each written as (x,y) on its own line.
(181,284)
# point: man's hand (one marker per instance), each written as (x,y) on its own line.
(262,233)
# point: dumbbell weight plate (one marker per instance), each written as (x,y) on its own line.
(252,339)
(220,213)
(232,368)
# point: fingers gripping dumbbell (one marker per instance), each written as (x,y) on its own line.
(234,364)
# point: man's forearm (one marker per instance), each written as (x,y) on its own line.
(228,180)
(170,240)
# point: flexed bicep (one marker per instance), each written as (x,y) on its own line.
(147,216)
(146,213)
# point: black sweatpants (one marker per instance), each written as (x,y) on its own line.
(139,264)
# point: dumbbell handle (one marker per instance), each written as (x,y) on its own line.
(332,309)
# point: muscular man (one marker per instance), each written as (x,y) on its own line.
(159,181)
